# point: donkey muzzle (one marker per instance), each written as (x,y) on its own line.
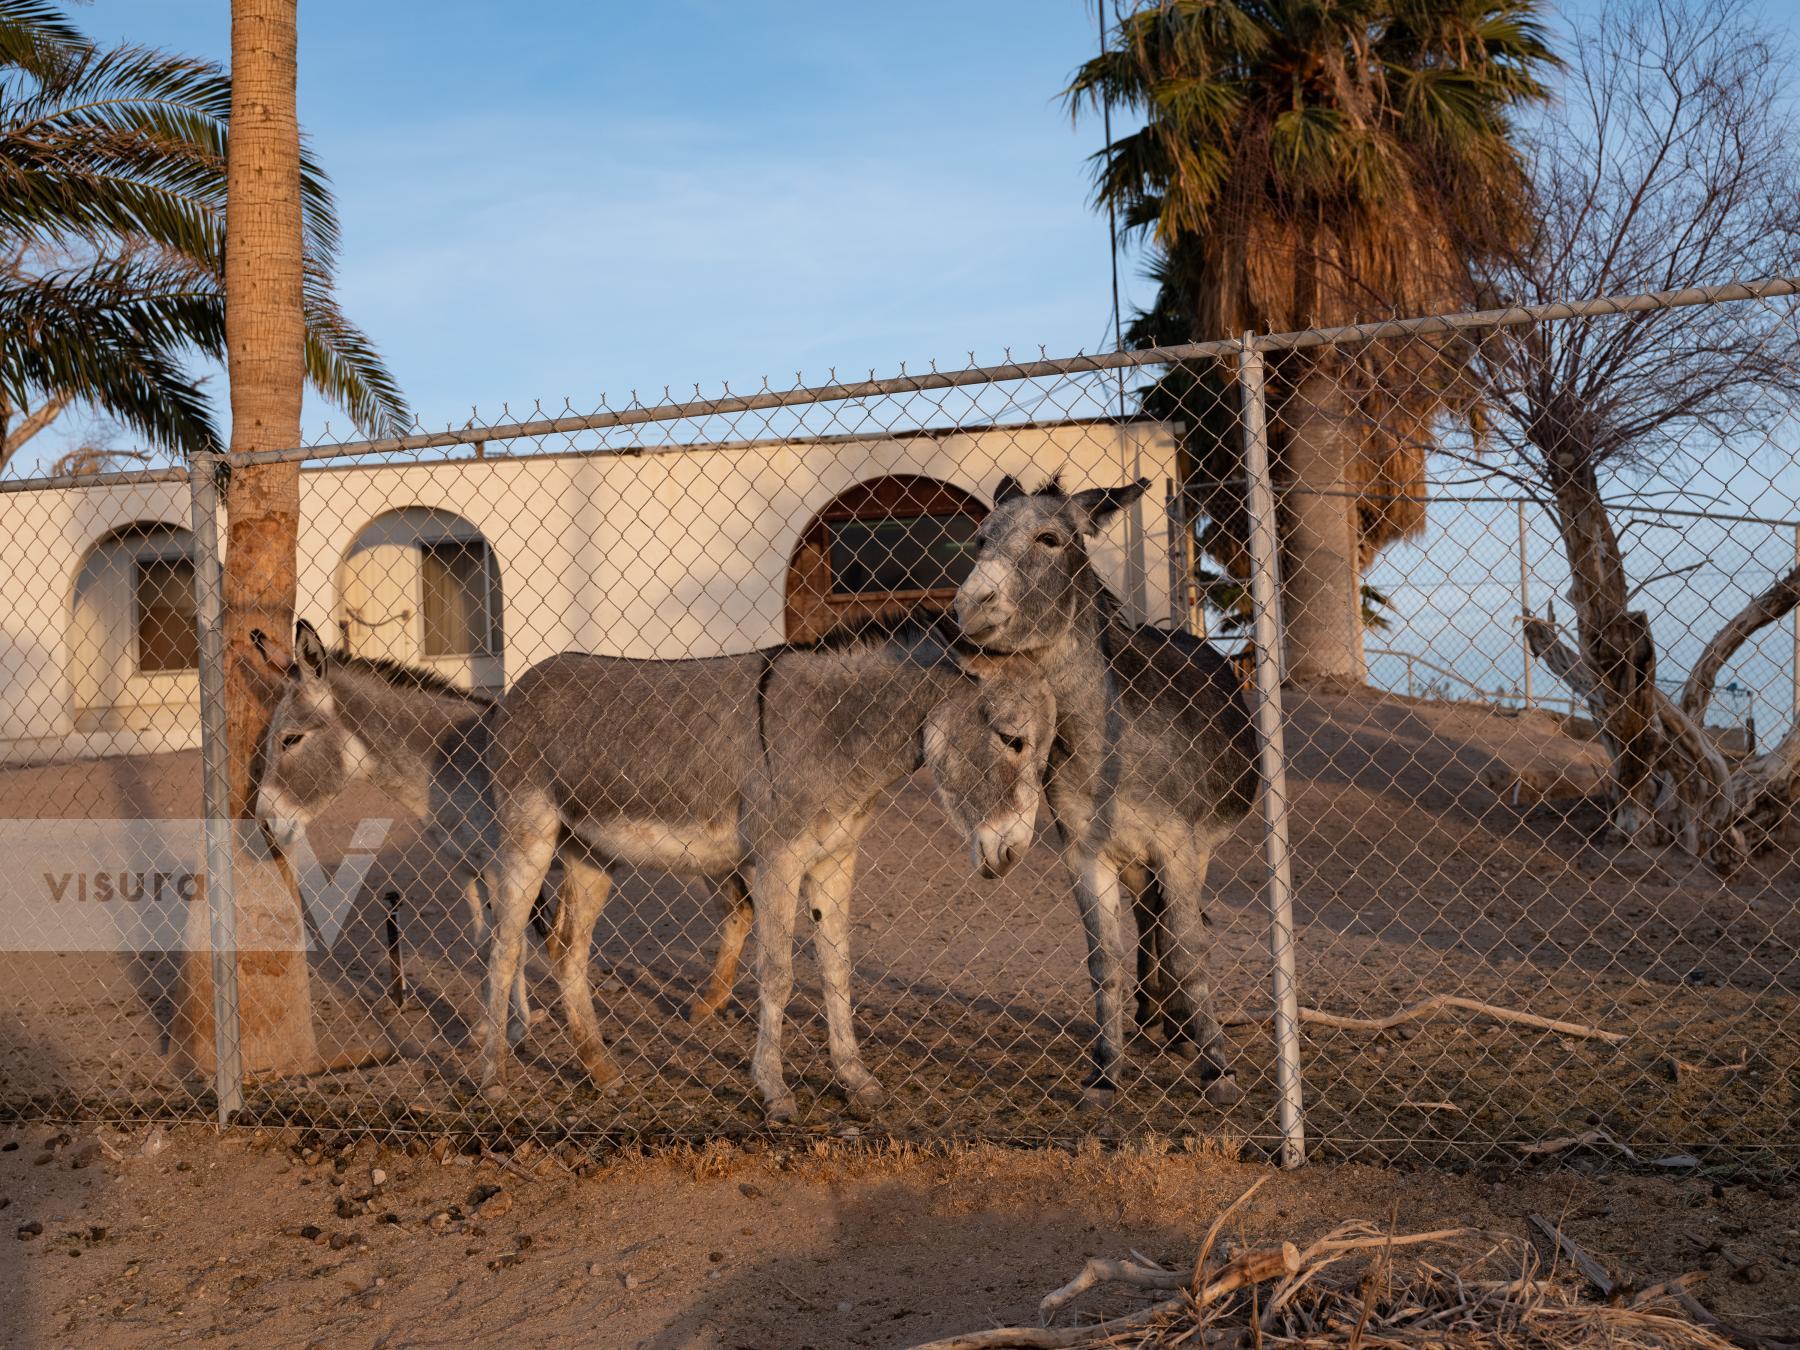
(997,847)
(279,816)
(981,608)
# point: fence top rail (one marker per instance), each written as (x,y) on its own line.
(766,398)
(118,478)
(1625,508)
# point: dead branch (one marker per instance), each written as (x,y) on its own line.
(1585,1139)
(1336,1246)
(1677,1067)
(34,421)
(1253,1267)
(1425,1008)
(1212,1231)
(1749,1340)
(1250,1268)
(1680,1284)
(1769,607)
(1595,1273)
(1100,1270)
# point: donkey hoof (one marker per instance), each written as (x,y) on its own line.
(701,1010)
(517,1030)
(493,1091)
(602,1072)
(865,1099)
(1098,1096)
(782,1110)
(1223,1090)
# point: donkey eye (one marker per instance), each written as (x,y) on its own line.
(1050,540)
(291,739)
(1016,744)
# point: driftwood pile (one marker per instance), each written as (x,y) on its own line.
(1497,1292)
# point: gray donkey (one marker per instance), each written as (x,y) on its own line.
(341,719)
(773,760)
(1154,756)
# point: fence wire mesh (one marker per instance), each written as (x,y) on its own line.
(670,670)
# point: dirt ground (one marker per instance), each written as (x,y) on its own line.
(262,1239)
(1413,877)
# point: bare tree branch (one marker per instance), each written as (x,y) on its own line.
(1670,160)
(1769,607)
(34,421)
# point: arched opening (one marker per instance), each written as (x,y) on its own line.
(422,586)
(887,546)
(133,643)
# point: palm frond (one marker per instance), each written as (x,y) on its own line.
(120,153)
(116,335)
(343,364)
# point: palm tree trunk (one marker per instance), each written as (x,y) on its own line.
(265,335)
(1319,600)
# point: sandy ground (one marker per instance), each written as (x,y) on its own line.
(254,1239)
(1413,878)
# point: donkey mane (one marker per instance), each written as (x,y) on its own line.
(403,676)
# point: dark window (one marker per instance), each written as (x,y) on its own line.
(900,554)
(167,635)
(457,602)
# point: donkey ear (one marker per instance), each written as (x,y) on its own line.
(270,669)
(308,650)
(1008,488)
(1095,507)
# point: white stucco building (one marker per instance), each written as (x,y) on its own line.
(480,568)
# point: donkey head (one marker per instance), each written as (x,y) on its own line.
(309,754)
(1031,575)
(986,746)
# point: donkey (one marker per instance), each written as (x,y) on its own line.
(1154,756)
(772,760)
(341,719)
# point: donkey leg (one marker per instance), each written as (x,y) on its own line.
(1161,1001)
(1097,894)
(1145,896)
(1184,885)
(735,929)
(523,859)
(776,898)
(831,882)
(480,889)
(477,891)
(585,888)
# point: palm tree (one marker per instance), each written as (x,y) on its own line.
(1305,163)
(265,342)
(112,227)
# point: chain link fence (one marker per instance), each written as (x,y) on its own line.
(1472,737)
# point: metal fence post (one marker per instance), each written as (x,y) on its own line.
(1265,591)
(1794,719)
(1524,602)
(215,792)
(1178,590)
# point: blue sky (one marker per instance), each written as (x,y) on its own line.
(553,200)
(549,200)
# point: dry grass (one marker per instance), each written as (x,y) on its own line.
(1369,1288)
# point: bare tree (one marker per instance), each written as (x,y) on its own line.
(1668,163)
